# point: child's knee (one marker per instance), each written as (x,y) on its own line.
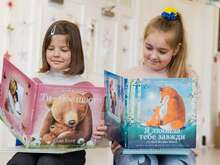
(135,160)
(176,160)
(49,160)
(23,158)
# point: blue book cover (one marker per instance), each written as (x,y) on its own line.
(151,115)
(115,105)
(160,114)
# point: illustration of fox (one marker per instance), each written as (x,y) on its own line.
(173,117)
(155,118)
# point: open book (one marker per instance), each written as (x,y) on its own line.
(50,116)
(151,116)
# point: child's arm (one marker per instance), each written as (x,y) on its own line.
(100,131)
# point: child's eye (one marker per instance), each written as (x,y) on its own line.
(65,50)
(162,52)
(50,48)
(148,48)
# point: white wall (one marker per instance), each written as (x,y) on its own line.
(20,41)
(3,28)
(4,43)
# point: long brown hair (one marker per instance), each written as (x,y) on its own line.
(73,40)
(177,65)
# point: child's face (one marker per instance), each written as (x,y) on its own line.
(58,53)
(157,52)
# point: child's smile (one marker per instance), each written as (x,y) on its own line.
(58,53)
(157,52)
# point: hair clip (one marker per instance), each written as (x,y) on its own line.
(169,14)
(53,30)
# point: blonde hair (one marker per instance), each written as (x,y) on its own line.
(177,65)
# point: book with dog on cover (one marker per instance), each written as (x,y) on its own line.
(157,116)
(50,116)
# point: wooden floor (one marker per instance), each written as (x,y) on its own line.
(103,157)
(208,157)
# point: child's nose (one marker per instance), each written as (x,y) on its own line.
(154,55)
(56,53)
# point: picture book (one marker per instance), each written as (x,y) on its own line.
(114,107)
(50,116)
(156,115)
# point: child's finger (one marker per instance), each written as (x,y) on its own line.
(97,137)
(102,123)
(114,144)
(100,133)
(116,149)
(102,128)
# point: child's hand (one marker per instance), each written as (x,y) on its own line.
(100,131)
(115,147)
(195,152)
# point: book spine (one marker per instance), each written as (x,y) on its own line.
(107,99)
(33,110)
(130,102)
(132,97)
(125,135)
(139,89)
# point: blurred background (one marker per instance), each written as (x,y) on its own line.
(112,34)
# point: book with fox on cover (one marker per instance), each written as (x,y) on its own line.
(157,115)
(50,116)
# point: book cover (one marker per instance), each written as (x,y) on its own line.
(159,115)
(50,116)
(114,103)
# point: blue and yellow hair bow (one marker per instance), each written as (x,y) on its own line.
(169,14)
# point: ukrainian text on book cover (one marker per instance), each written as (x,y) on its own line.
(41,115)
(160,114)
